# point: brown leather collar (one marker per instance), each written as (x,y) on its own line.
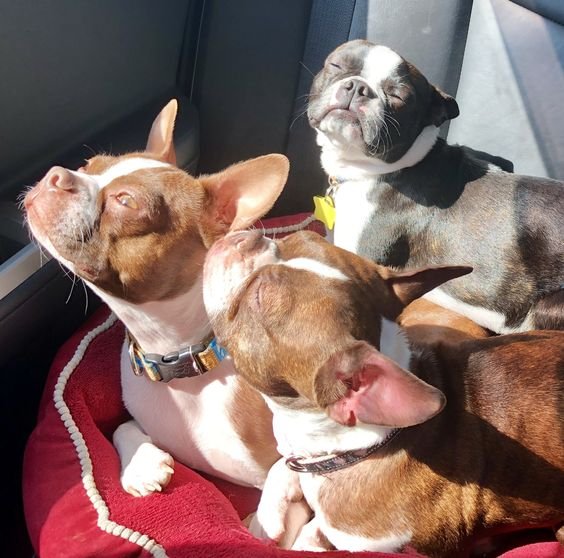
(339,461)
(187,362)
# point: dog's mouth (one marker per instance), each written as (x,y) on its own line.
(364,128)
(345,115)
(347,127)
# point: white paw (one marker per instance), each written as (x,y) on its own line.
(307,546)
(282,510)
(149,470)
(281,525)
(272,529)
(311,539)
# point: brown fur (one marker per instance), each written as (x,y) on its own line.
(281,373)
(120,251)
(492,459)
(421,314)
(154,248)
(252,420)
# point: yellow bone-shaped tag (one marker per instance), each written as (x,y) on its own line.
(325,210)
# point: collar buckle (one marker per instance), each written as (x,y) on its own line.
(188,362)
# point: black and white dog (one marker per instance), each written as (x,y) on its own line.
(406,198)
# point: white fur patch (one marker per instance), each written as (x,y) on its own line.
(312,433)
(165,325)
(379,64)
(490,319)
(354,165)
(393,343)
(358,543)
(123,168)
(309,539)
(188,418)
(319,268)
(353,213)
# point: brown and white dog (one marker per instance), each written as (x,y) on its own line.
(469,439)
(136,229)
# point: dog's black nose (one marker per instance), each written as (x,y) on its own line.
(354,89)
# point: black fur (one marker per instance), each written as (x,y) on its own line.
(451,208)
(456,206)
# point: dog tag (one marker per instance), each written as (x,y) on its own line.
(325,210)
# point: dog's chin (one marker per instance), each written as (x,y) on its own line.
(342,127)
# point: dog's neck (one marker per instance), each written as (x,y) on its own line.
(351,165)
(311,433)
(166,325)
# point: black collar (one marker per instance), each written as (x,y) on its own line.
(339,461)
(187,362)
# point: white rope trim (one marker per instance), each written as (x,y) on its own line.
(104,521)
(291,228)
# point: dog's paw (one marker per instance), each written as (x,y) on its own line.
(282,510)
(307,546)
(271,530)
(311,539)
(281,524)
(149,470)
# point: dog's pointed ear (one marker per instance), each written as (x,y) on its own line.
(244,192)
(160,142)
(442,107)
(360,384)
(411,284)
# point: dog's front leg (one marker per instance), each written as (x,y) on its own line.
(144,467)
(282,510)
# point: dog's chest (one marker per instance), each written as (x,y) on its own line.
(190,418)
(373,220)
(353,210)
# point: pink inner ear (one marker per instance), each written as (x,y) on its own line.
(382,393)
(226,206)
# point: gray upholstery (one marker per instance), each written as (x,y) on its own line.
(247,71)
(329,26)
(551,9)
(432,35)
(511,91)
(435,42)
(72,68)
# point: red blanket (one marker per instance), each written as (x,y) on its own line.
(74,504)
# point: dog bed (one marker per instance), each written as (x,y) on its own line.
(74,504)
